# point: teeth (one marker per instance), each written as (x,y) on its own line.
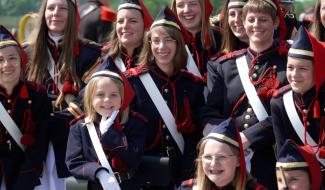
(188,17)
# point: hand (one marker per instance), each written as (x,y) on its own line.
(105,122)
(244,140)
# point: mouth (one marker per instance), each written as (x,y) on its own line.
(126,34)
(7,72)
(108,108)
(189,17)
(216,172)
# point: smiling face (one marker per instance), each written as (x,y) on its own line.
(300,74)
(129,28)
(260,29)
(236,23)
(9,66)
(295,180)
(219,163)
(190,15)
(107,97)
(56,16)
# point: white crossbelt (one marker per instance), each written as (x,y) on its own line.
(11,126)
(297,124)
(163,109)
(191,66)
(99,149)
(119,63)
(250,90)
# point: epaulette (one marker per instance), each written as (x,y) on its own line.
(90,43)
(279,92)
(188,183)
(36,86)
(190,75)
(139,116)
(75,120)
(231,55)
(135,71)
(107,14)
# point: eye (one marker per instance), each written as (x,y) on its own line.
(100,94)
(134,20)
(120,21)
(180,5)
(155,41)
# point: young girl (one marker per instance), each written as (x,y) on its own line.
(298,109)
(122,135)
(220,163)
(318,24)
(23,142)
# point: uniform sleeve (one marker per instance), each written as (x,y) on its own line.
(76,161)
(210,113)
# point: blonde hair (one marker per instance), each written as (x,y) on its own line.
(146,58)
(204,25)
(38,66)
(89,95)
(203,182)
(259,6)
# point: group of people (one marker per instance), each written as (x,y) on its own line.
(171,102)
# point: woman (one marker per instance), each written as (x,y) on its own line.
(122,136)
(318,25)
(261,69)
(304,97)
(60,62)
(180,95)
(23,129)
(298,168)
(220,163)
(234,34)
(204,42)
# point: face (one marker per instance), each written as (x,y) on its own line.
(322,12)
(107,97)
(9,66)
(300,74)
(129,27)
(189,14)
(236,23)
(56,16)
(259,28)
(219,163)
(163,47)
(295,179)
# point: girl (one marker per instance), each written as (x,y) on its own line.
(204,41)
(220,163)
(318,24)
(163,60)
(122,138)
(241,85)
(25,109)
(304,98)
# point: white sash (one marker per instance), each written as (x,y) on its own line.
(191,66)
(68,97)
(98,148)
(163,109)
(119,63)
(250,90)
(297,124)
(11,126)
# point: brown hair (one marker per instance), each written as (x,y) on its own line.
(146,58)
(317,28)
(260,6)
(89,95)
(38,67)
(204,25)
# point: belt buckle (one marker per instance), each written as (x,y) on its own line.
(56,109)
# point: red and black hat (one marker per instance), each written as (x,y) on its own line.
(138,5)
(294,157)
(227,132)
(236,3)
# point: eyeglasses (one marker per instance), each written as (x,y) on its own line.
(167,41)
(207,159)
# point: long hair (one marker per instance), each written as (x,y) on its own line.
(89,95)
(317,28)
(146,58)
(204,25)
(38,67)
(203,182)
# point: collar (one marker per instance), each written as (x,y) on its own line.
(264,54)
(19,90)
(306,99)
(161,74)
(55,39)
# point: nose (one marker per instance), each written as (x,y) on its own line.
(56,10)
(186,8)
(161,44)
(237,18)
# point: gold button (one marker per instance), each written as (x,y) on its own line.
(324,109)
(254,75)
(9,111)
(308,123)
(167,137)
(305,110)
(52,114)
(166,90)
(256,67)
(249,110)
(163,126)
(274,66)
(246,125)
(247,117)
(29,101)
(9,101)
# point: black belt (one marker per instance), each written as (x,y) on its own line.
(122,176)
